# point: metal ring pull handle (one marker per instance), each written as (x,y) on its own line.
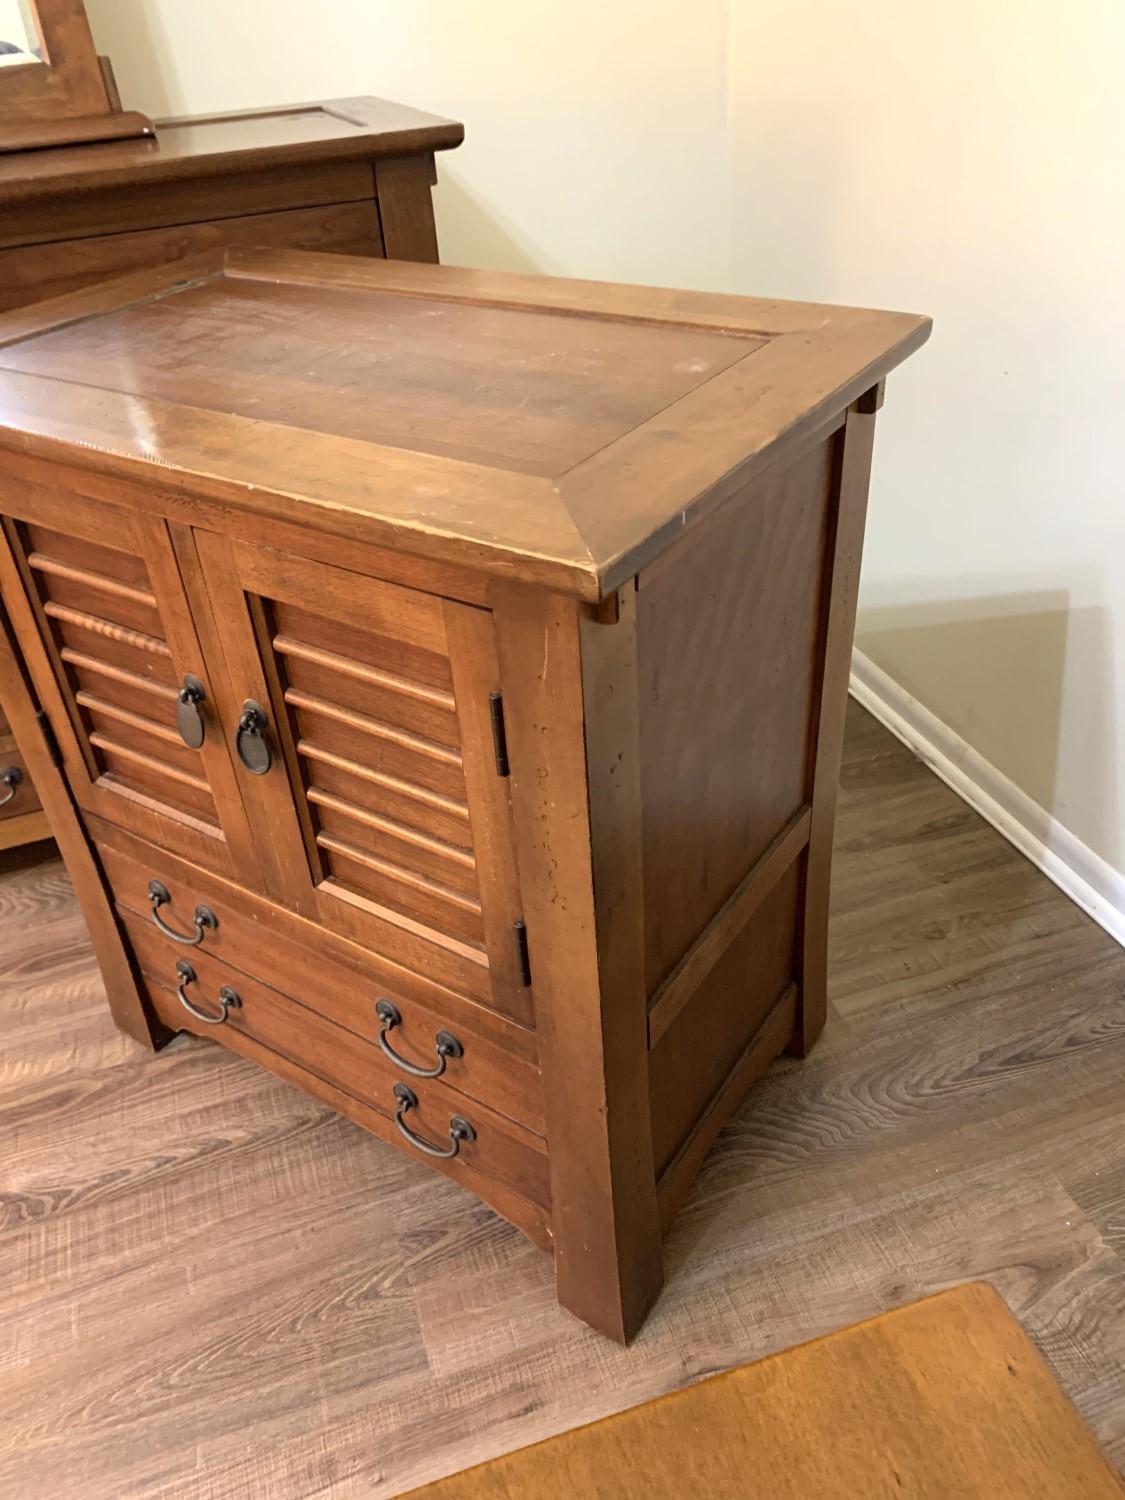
(446,1044)
(12,778)
(228,999)
(252,741)
(189,712)
(205,919)
(459,1128)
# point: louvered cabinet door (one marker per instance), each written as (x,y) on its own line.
(384,786)
(104,623)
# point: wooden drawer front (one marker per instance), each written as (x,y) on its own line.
(17,791)
(33,272)
(381,699)
(161,205)
(497,1063)
(501,1151)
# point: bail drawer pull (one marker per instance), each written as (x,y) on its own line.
(446,1044)
(459,1128)
(228,999)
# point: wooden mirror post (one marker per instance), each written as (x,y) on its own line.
(61,96)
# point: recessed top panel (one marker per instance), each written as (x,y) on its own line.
(555,432)
(529,391)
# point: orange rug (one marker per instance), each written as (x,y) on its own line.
(946,1399)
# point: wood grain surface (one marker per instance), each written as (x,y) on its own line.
(945,1399)
(585,921)
(212,1287)
(64,84)
(185,150)
(365,371)
(729,645)
(497,455)
(30,273)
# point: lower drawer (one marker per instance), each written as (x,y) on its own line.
(495,1059)
(17,791)
(490,1154)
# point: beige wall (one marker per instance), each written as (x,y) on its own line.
(963,160)
(968,161)
(596,137)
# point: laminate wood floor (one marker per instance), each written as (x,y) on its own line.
(210,1287)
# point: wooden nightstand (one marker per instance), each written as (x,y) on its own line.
(449,670)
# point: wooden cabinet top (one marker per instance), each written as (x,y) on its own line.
(562,432)
(330,130)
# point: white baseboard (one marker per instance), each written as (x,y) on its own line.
(1081,874)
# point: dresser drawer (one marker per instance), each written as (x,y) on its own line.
(17,791)
(493,1061)
(492,1146)
(32,272)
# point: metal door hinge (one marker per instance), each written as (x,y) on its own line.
(523,956)
(48,733)
(499,733)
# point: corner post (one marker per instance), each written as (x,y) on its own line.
(406,211)
(570,687)
(845,550)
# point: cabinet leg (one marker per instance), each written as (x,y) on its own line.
(133,1016)
(812,995)
(570,695)
(609,1280)
(406,211)
(849,515)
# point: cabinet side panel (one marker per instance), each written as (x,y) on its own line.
(711,1037)
(730,627)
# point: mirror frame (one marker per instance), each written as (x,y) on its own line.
(67,97)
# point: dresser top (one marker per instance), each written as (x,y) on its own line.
(328,130)
(562,432)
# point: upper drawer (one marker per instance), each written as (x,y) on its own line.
(495,1061)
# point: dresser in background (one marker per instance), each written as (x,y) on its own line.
(344,175)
